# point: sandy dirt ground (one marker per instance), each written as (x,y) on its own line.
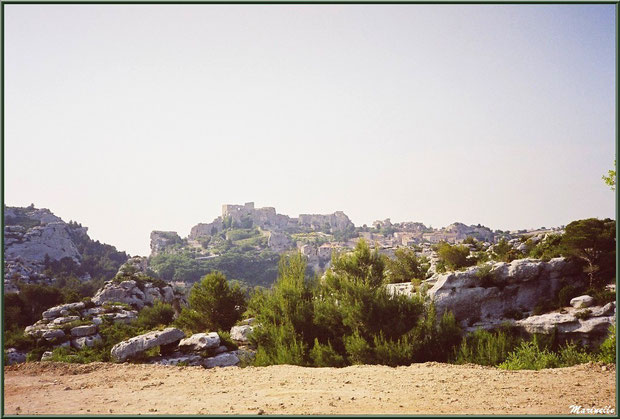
(430,388)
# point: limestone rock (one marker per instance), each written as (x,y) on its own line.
(516,286)
(47,356)
(52,334)
(15,356)
(200,342)
(68,319)
(241,333)
(177,358)
(220,349)
(57,311)
(138,344)
(82,342)
(582,301)
(227,359)
(80,331)
(588,331)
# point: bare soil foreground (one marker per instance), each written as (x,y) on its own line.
(430,388)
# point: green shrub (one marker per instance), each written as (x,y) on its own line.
(35,354)
(607,350)
(325,355)
(453,257)
(529,356)
(159,314)
(358,350)
(570,354)
(214,304)
(226,340)
(601,295)
(583,314)
(280,345)
(566,294)
(406,266)
(486,348)
(81,356)
(15,338)
(485,276)
(544,306)
(547,248)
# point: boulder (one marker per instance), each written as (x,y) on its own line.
(200,342)
(68,319)
(47,356)
(89,341)
(241,333)
(122,316)
(86,330)
(227,359)
(127,285)
(15,357)
(245,354)
(65,344)
(588,331)
(115,293)
(52,334)
(138,344)
(177,358)
(57,311)
(582,301)
(220,349)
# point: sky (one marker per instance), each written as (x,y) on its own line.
(133,118)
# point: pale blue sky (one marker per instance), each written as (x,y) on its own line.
(130,118)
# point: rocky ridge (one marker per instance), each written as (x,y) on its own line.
(77,324)
(33,236)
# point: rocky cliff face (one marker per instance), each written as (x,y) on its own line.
(33,236)
(519,286)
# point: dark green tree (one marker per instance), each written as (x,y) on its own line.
(594,242)
(453,257)
(214,304)
(406,266)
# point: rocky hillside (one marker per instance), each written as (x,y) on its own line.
(39,247)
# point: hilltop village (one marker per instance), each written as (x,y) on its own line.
(316,236)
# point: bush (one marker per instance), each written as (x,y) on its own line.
(160,314)
(566,294)
(607,350)
(570,354)
(548,248)
(453,257)
(358,350)
(583,314)
(601,296)
(544,306)
(406,267)
(214,304)
(486,348)
(325,355)
(528,356)
(485,276)
(15,338)
(226,340)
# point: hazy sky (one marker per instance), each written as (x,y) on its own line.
(130,118)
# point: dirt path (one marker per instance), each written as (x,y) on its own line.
(430,388)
